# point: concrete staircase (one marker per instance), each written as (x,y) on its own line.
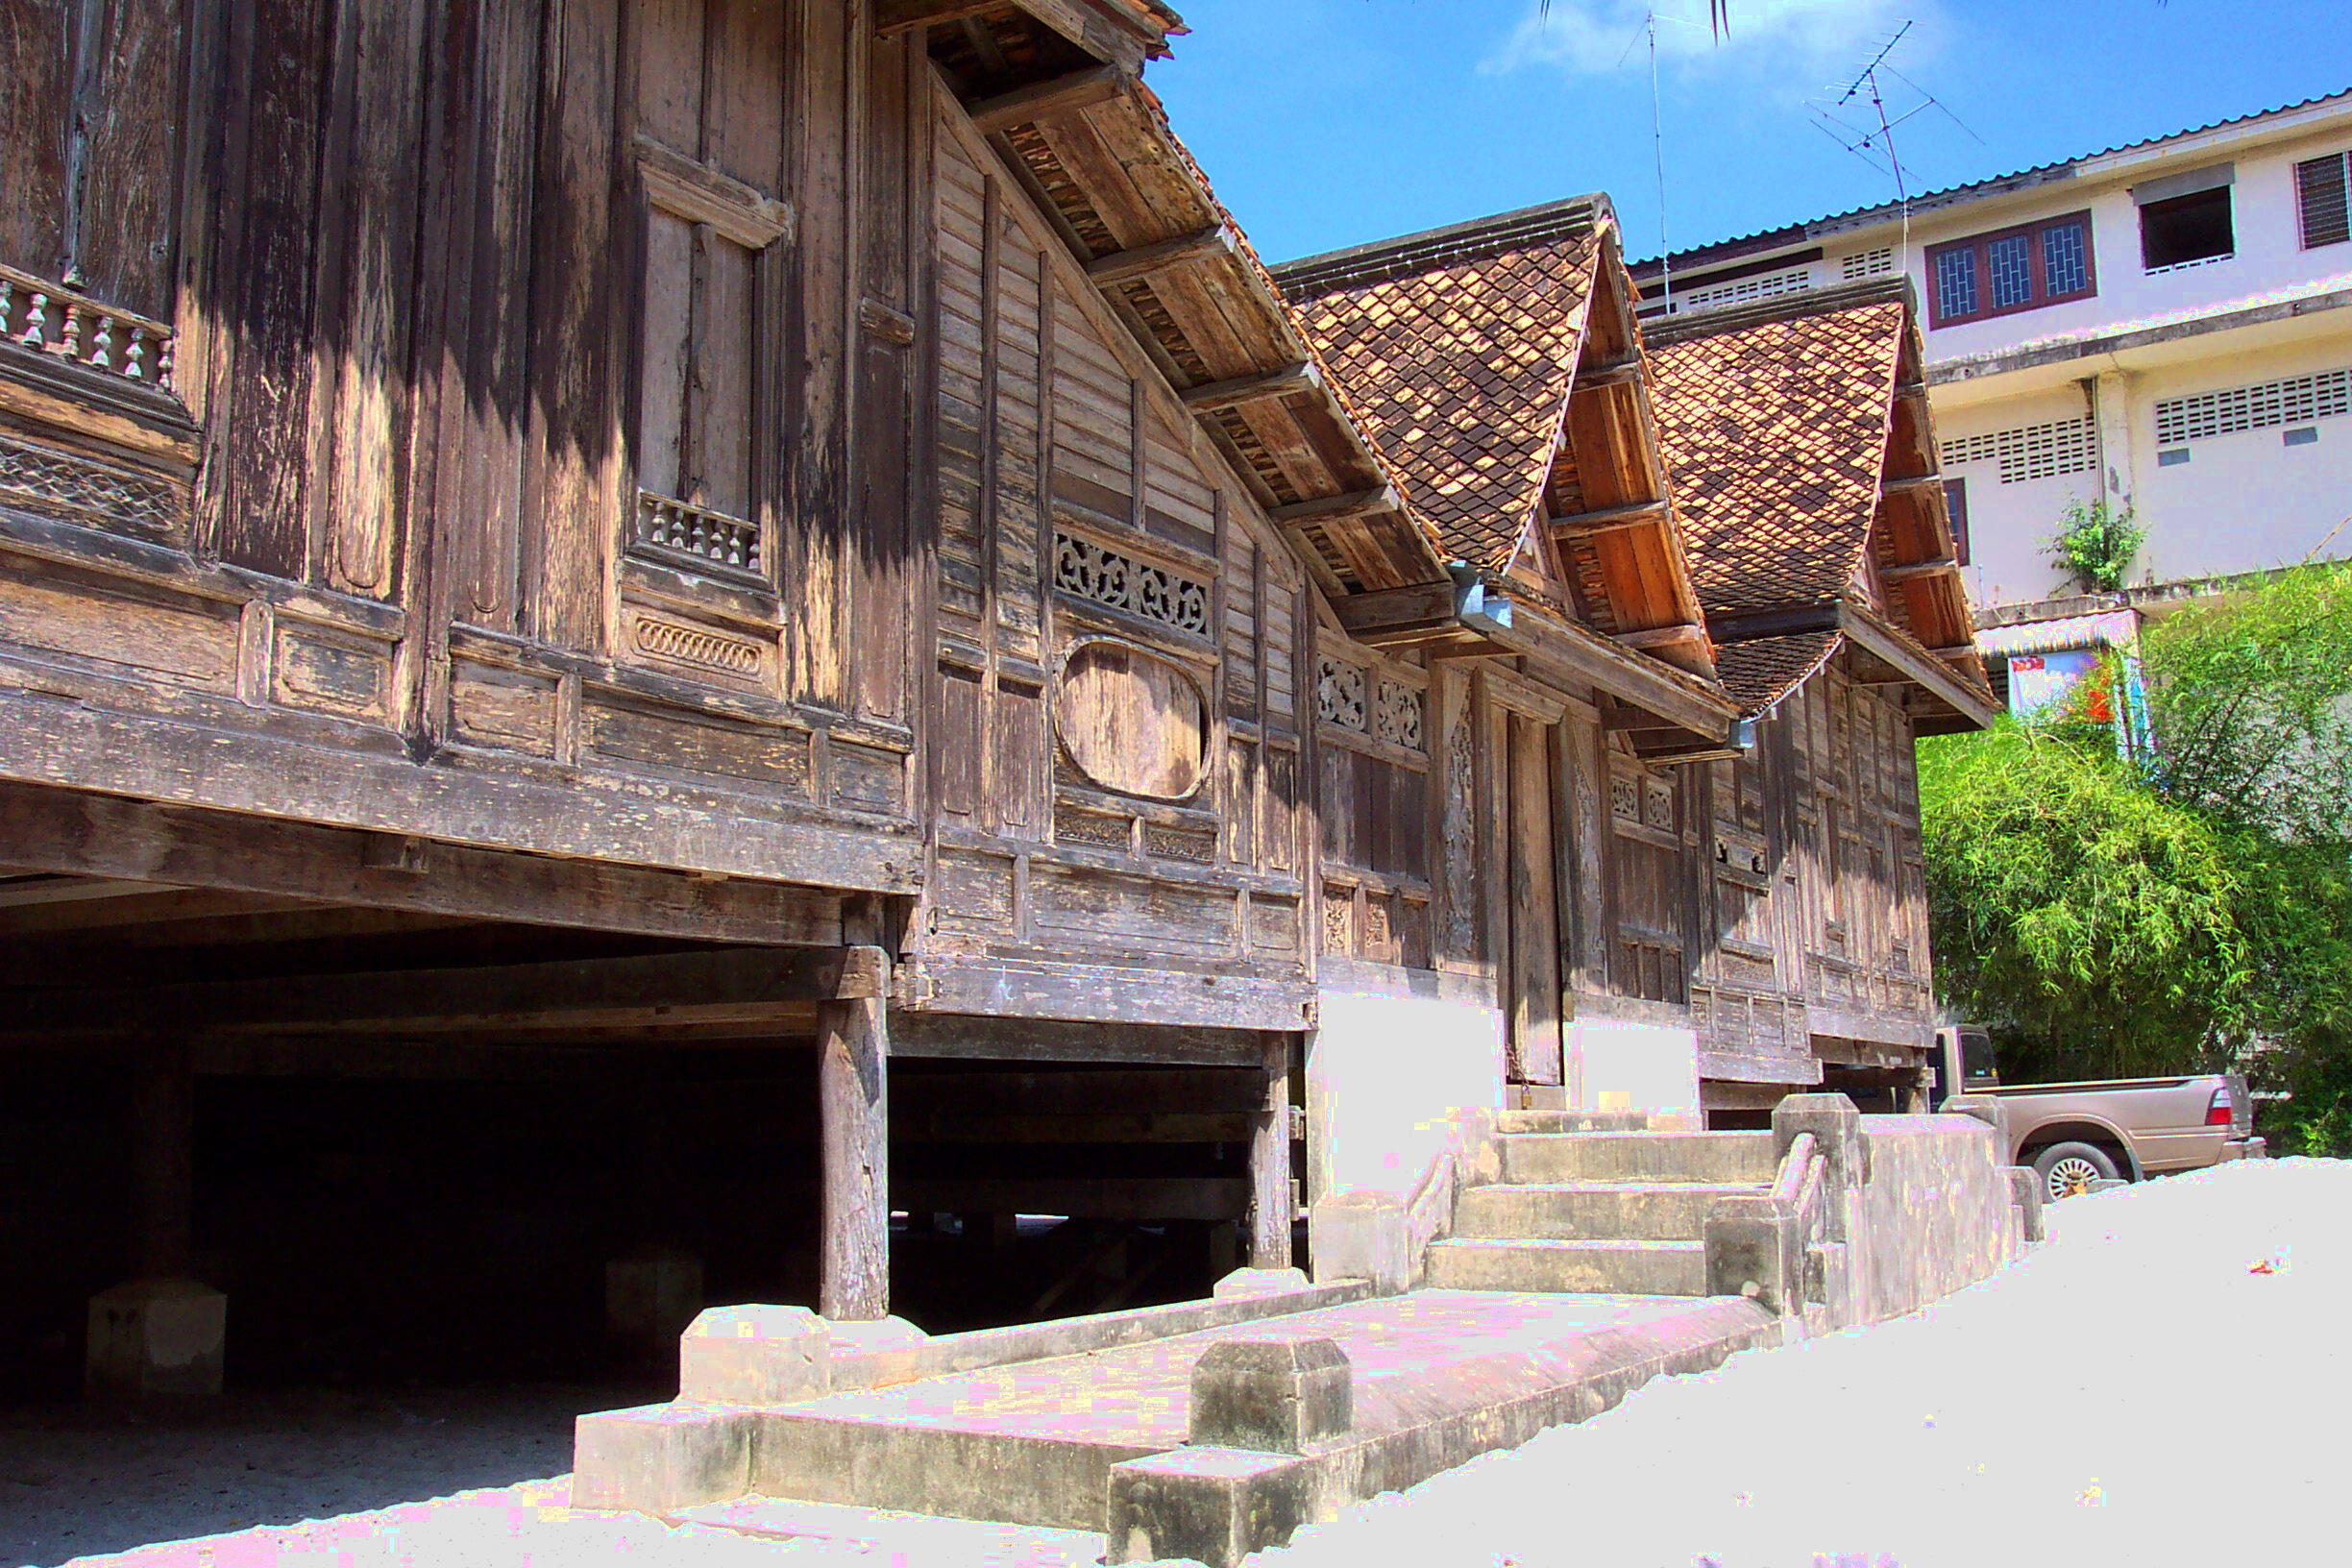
(1597,1204)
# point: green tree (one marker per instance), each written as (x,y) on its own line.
(2109,918)
(2251,696)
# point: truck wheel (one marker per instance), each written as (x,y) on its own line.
(2069,1168)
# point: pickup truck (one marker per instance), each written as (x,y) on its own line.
(2124,1129)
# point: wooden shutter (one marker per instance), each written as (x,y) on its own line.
(2319,198)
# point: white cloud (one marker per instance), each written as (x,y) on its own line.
(1594,38)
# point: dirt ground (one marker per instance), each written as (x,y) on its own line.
(76,1483)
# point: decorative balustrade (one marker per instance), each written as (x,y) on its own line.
(698,537)
(52,318)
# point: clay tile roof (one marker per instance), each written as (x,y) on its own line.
(1775,433)
(1760,672)
(1457,347)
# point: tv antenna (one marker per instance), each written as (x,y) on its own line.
(1876,146)
(1657,135)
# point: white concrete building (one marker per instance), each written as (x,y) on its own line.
(2165,326)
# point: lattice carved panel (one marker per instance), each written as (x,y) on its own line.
(1087,571)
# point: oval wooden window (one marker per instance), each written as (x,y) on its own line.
(1131,720)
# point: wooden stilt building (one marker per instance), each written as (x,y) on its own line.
(576,544)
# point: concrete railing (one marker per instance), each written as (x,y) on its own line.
(1869,1216)
(1378,1236)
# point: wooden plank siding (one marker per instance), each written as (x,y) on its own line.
(1098,569)
(671,447)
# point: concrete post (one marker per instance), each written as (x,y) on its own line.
(1273,1396)
(162,1332)
(650,1294)
(1269,1158)
(1754,1250)
(853,1107)
(164,1119)
(1837,1127)
(2111,395)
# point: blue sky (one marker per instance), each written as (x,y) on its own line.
(1331,122)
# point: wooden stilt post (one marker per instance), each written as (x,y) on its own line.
(853,1100)
(163,1116)
(1270,1163)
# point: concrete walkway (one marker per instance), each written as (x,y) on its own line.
(1438,1377)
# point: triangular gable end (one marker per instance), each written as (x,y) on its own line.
(1608,499)
(1489,358)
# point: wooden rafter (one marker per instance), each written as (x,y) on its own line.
(1237,390)
(1339,509)
(1637,514)
(1212,244)
(892,17)
(1055,96)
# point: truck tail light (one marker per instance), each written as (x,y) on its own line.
(2218,1114)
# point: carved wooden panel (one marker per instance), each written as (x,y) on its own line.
(79,489)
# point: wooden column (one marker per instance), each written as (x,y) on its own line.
(1270,1163)
(163,1123)
(853,1109)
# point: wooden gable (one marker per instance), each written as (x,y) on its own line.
(1119,641)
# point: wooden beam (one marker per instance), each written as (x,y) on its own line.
(1617,373)
(1044,100)
(1099,1197)
(159,846)
(1269,1164)
(37,889)
(1237,390)
(853,1121)
(1183,251)
(1084,1091)
(728,986)
(1108,1127)
(1663,637)
(1782,621)
(1611,517)
(1338,508)
(164,1120)
(152,906)
(1374,618)
(1911,570)
(892,17)
(1909,483)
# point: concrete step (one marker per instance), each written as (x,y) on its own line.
(1593,1121)
(1630,1268)
(1592,1211)
(1438,1377)
(1638,1157)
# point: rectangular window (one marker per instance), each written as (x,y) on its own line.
(2185,230)
(1793,282)
(1955,284)
(2296,401)
(705,378)
(2320,185)
(1867,263)
(2030,452)
(2014,269)
(1955,507)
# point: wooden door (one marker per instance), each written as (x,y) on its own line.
(1533,971)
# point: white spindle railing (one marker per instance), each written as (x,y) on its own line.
(56,321)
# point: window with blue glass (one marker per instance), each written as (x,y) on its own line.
(2010,270)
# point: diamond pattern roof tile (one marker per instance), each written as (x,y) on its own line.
(1461,375)
(1775,434)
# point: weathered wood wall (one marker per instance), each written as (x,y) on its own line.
(545,408)
(1817,892)
(1120,756)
